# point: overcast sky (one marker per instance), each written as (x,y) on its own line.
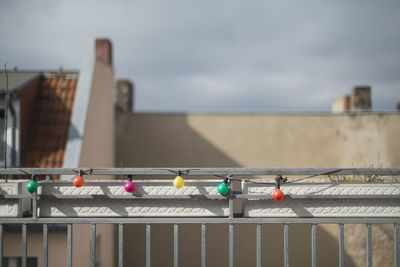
(218,56)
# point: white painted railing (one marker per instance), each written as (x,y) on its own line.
(158,202)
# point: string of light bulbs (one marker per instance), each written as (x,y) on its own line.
(223,188)
(278,194)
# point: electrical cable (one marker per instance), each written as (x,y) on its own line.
(294,181)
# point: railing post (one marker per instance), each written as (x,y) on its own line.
(314,245)
(176,245)
(203,245)
(69,245)
(341,245)
(24,245)
(230,203)
(369,245)
(93,247)
(230,245)
(120,245)
(148,245)
(286,246)
(1,245)
(258,237)
(45,245)
(396,245)
(34,205)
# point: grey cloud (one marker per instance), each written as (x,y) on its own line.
(219,55)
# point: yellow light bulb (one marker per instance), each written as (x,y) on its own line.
(179,182)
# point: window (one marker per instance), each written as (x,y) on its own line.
(17,262)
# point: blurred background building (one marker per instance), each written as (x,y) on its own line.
(358,101)
(57,119)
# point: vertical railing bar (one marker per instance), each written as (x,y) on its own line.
(231,245)
(45,245)
(314,245)
(258,237)
(230,202)
(34,206)
(341,245)
(148,245)
(396,245)
(369,245)
(69,245)
(93,247)
(203,245)
(24,245)
(1,245)
(176,245)
(286,246)
(120,245)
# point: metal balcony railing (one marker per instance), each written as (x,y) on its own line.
(105,202)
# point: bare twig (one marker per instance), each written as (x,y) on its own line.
(6,120)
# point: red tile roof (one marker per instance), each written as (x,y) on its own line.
(49,127)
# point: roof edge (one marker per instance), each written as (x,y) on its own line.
(78,117)
(18,88)
(370,113)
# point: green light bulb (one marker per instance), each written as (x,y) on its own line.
(32,187)
(223,189)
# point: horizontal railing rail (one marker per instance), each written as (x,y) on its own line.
(171,220)
(201,171)
(202,196)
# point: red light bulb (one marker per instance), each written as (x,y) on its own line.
(278,194)
(78,181)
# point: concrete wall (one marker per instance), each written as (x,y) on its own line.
(97,151)
(295,141)
(259,140)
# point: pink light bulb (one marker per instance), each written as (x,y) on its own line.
(129,187)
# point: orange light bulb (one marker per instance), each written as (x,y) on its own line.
(78,181)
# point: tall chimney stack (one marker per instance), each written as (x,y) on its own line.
(360,99)
(103,48)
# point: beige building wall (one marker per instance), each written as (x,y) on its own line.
(98,141)
(97,151)
(258,140)
(57,245)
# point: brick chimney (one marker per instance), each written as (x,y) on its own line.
(124,96)
(346,104)
(341,105)
(360,99)
(103,48)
